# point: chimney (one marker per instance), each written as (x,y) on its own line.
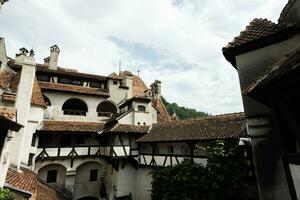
(3,57)
(22,105)
(54,52)
(156,88)
(22,55)
(2,2)
(47,60)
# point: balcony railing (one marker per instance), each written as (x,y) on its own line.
(63,152)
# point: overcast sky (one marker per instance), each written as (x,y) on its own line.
(176,41)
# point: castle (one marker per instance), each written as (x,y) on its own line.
(90,136)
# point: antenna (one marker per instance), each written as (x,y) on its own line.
(120,64)
(138,71)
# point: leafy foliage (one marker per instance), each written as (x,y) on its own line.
(6,194)
(182,112)
(226,176)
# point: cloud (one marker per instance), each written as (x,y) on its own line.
(178,42)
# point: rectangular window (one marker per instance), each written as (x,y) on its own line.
(42,77)
(33,140)
(93,175)
(141,108)
(96,84)
(30,159)
(69,81)
(170,149)
(51,176)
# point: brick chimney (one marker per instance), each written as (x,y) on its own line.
(54,52)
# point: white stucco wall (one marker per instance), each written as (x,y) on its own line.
(143,183)
(61,174)
(83,186)
(57,100)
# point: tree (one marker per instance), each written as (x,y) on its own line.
(227,175)
(182,112)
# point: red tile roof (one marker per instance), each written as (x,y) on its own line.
(257,29)
(138,85)
(9,81)
(8,113)
(72,126)
(6,75)
(28,181)
(73,88)
(162,114)
(25,179)
(208,128)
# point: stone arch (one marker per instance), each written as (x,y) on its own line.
(106,109)
(88,180)
(53,174)
(75,106)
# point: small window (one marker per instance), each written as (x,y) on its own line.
(30,159)
(0,64)
(96,84)
(170,149)
(144,123)
(70,81)
(42,77)
(115,82)
(156,149)
(51,176)
(141,108)
(93,175)
(139,123)
(33,140)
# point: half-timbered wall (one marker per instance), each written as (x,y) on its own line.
(171,153)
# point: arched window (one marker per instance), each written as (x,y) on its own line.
(75,107)
(106,109)
(47,100)
(142,108)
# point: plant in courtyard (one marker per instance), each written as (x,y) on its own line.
(226,176)
(179,182)
(229,173)
(6,194)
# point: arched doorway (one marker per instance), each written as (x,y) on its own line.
(53,174)
(88,180)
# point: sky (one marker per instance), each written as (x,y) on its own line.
(178,42)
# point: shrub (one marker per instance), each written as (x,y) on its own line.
(6,194)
